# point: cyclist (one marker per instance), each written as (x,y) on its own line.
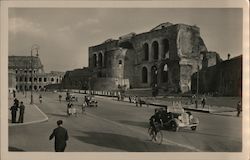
(155,122)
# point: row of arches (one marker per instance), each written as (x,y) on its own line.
(163,71)
(35,79)
(28,87)
(100,60)
(155,50)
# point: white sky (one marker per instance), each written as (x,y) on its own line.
(64,35)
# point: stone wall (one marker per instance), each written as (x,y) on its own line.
(102,84)
(76,79)
(223,79)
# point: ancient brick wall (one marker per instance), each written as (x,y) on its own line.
(165,57)
(223,79)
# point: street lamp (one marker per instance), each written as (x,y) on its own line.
(197,86)
(34,47)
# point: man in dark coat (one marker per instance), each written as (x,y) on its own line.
(61,136)
(13,112)
(21,112)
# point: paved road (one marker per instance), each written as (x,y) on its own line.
(119,126)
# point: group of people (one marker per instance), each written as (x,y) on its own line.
(14,108)
(194,99)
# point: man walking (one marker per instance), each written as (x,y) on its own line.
(61,136)
(21,112)
(203,102)
(239,108)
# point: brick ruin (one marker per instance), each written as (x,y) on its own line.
(166,56)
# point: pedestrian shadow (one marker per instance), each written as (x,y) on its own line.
(15,149)
(57,115)
(135,123)
(125,143)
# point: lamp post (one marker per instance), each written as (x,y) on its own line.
(34,47)
(197,87)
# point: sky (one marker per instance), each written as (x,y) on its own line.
(64,34)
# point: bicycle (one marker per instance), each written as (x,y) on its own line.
(156,134)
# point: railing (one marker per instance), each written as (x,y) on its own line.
(101,93)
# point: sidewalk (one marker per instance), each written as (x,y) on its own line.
(32,114)
(212,109)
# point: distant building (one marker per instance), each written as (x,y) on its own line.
(166,57)
(20,71)
(77,79)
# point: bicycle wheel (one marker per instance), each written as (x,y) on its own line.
(150,132)
(158,137)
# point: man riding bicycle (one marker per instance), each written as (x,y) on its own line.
(155,123)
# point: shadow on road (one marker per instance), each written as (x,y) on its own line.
(133,123)
(15,149)
(125,143)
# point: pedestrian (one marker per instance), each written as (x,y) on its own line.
(13,109)
(203,102)
(61,136)
(140,101)
(86,100)
(83,107)
(136,101)
(239,108)
(40,98)
(60,98)
(69,106)
(129,97)
(21,112)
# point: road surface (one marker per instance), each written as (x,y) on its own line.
(119,126)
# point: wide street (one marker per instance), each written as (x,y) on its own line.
(120,126)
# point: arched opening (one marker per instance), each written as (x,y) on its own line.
(94,60)
(35,79)
(105,59)
(164,73)
(35,87)
(144,75)
(45,79)
(52,79)
(40,79)
(165,52)
(100,59)
(25,79)
(154,75)
(146,52)
(155,47)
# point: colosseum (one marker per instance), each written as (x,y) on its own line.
(20,76)
(166,57)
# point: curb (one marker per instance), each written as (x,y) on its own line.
(32,122)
